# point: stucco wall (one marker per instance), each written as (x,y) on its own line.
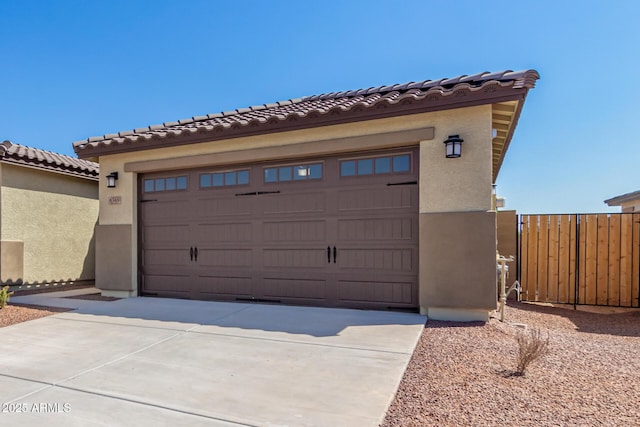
(631,206)
(457,225)
(463,183)
(458,269)
(54,215)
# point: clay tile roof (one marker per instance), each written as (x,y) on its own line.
(316,110)
(47,160)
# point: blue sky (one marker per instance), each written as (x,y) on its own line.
(74,69)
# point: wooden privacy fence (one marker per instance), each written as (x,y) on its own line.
(580,258)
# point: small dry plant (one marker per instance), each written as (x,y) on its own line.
(531,347)
(4,296)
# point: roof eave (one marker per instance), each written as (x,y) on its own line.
(88,150)
(512,129)
(618,200)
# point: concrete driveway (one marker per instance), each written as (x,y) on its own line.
(152,361)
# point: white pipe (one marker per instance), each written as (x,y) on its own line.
(503,283)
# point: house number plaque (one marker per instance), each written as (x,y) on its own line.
(115,200)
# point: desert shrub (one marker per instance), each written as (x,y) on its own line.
(4,296)
(531,347)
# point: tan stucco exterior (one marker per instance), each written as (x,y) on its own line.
(464,183)
(116,261)
(631,206)
(457,268)
(50,217)
(461,185)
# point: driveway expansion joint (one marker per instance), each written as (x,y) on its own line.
(284,341)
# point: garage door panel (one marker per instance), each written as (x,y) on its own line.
(163,211)
(391,292)
(226,232)
(177,235)
(377,198)
(381,229)
(165,258)
(293,203)
(167,283)
(295,288)
(227,206)
(399,260)
(221,258)
(295,258)
(225,285)
(294,231)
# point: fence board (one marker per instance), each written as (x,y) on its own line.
(563,258)
(635,281)
(582,260)
(591,259)
(573,240)
(543,258)
(613,286)
(553,259)
(626,260)
(602,263)
(532,252)
(522,260)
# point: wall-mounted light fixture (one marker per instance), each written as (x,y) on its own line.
(453,146)
(111,179)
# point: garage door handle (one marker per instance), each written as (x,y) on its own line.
(191,253)
(328,254)
(335,254)
(196,253)
(389,184)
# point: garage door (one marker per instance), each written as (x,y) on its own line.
(338,231)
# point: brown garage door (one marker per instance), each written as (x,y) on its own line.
(339,231)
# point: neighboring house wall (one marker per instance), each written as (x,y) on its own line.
(508,234)
(631,206)
(51,217)
(457,225)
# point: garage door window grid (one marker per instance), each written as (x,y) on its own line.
(293,173)
(173,183)
(224,179)
(376,165)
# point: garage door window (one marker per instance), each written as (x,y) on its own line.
(224,179)
(376,165)
(293,173)
(165,184)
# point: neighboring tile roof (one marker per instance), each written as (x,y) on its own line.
(312,111)
(616,201)
(47,160)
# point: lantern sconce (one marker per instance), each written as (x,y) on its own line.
(453,146)
(111,179)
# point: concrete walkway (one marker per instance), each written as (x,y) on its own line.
(152,361)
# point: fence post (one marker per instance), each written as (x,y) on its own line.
(576,277)
(518,246)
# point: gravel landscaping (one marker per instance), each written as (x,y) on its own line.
(12,314)
(15,313)
(461,374)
